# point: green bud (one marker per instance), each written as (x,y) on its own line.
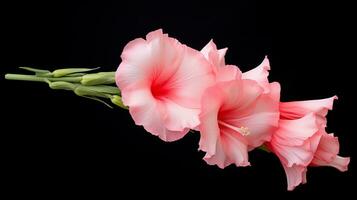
(117,101)
(98,78)
(89,91)
(61,85)
(67,71)
(98,90)
(105,89)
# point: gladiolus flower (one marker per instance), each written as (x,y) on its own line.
(236,115)
(301,139)
(162,81)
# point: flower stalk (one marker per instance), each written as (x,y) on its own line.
(96,86)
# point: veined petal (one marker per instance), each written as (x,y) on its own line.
(221,54)
(294,155)
(326,154)
(171,136)
(296,132)
(264,122)
(228,73)
(229,150)
(235,148)
(174,111)
(239,95)
(214,56)
(145,110)
(209,128)
(294,142)
(295,176)
(219,158)
(298,109)
(155,34)
(260,74)
(190,80)
(261,126)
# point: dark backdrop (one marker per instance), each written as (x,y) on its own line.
(55,142)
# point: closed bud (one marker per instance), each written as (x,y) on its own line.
(116,99)
(68,71)
(61,85)
(101,78)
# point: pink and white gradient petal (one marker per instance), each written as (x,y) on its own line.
(260,74)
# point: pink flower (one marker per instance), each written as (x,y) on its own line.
(295,143)
(162,81)
(301,139)
(326,154)
(225,72)
(237,114)
(236,117)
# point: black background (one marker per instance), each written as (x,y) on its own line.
(54,142)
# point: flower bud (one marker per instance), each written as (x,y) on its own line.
(116,99)
(67,71)
(98,78)
(61,85)
(89,91)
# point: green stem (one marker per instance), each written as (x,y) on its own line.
(22,77)
(96,86)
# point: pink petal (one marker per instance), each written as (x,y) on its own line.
(261,127)
(229,150)
(235,148)
(295,140)
(228,73)
(298,109)
(171,136)
(290,155)
(295,176)
(221,54)
(148,61)
(185,89)
(340,163)
(154,34)
(209,129)
(239,94)
(210,46)
(264,123)
(328,147)
(219,158)
(296,132)
(145,110)
(136,67)
(175,111)
(214,56)
(260,74)
(326,154)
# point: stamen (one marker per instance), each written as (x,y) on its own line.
(242,130)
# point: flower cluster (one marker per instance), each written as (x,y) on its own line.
(171,88)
